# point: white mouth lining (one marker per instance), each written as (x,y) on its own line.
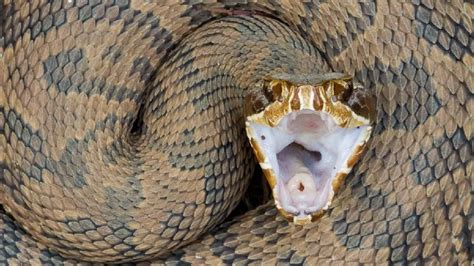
(315,131)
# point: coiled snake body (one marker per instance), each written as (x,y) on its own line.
(121,130)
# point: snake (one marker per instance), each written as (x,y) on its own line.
(122,130)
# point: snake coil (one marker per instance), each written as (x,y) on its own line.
(122,123)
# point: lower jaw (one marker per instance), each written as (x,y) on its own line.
(301,218)
(298,212)
(304,194)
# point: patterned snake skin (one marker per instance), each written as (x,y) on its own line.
(121,130)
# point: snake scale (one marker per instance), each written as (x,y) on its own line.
(121,130)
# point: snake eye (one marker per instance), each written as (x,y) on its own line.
(343,90)
(363,103)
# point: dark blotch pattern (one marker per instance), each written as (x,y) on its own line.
(158,157)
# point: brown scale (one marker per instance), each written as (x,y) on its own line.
(408,201)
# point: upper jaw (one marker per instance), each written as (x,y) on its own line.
(306,142)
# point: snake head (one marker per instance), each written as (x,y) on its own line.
(308,139)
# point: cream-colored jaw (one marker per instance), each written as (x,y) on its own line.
(306,143)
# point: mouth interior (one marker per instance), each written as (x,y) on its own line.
(306,150)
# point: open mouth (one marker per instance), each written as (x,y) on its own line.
(307,151)
(307,141)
